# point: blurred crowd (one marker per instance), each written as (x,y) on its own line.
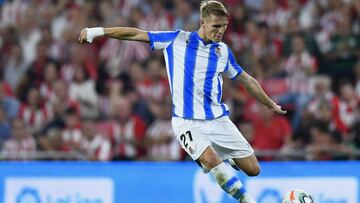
(110,100)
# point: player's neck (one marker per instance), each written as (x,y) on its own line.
(201,33)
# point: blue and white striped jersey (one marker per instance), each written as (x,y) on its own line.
(194,71)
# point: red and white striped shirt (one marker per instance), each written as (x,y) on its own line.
(163,151)
(19,149)
(72,136)
(35,118)
(295,66)
(99,147)
(46,91)
(119,54)
(133,129)
(154,90)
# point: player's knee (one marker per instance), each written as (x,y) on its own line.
(210,161)
(254,170)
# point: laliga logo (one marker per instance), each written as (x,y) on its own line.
(28,195)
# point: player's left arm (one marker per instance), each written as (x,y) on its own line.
(254,88)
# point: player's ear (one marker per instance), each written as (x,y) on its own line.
(202,22)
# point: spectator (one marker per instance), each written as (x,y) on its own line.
(21,144)
(271,14)
(265,47)
(300,11)
(9,35)
(329,116)
(9,104)
(328,21)
(139,77)
(15,67)
(127,133)
(158,19)
(11,12)
(246,128)
(344,49)
(34,112)
(357,79)
(325,145)
(348,105)
(161,142)
(156,88)
(34,75)
(293,29)
(271,132)
(51,142)
(356,19)
(82,90)
(51,75)
(30,35)
(107,101)
(320,86)
(55,48)
(323,105)
(61,99)
(299,67)
(185,17)
(235,33)
(71,135)
(95,145)
(355,131)
(139,105)
(117,55)
(78,59)
(5,127)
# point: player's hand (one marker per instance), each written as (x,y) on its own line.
(89,34)
(82,36)
(277,109)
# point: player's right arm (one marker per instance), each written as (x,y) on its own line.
(254,88)
(122,33)
(234,71)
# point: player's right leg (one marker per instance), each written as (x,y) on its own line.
(232,146)
(193,138)
(224,176)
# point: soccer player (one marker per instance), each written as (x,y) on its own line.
(195,63)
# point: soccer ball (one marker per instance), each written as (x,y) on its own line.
(297,196)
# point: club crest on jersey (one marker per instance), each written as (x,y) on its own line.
(218,52)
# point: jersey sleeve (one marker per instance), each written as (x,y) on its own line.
(232,69)
(160,40)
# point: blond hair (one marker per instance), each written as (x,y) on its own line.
(212,7)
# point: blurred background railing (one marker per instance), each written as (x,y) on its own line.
(267,155)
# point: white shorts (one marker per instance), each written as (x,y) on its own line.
(221,133)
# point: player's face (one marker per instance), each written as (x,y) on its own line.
(215,27)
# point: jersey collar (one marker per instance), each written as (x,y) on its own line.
(197,37)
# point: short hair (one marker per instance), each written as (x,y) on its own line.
(212,7)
